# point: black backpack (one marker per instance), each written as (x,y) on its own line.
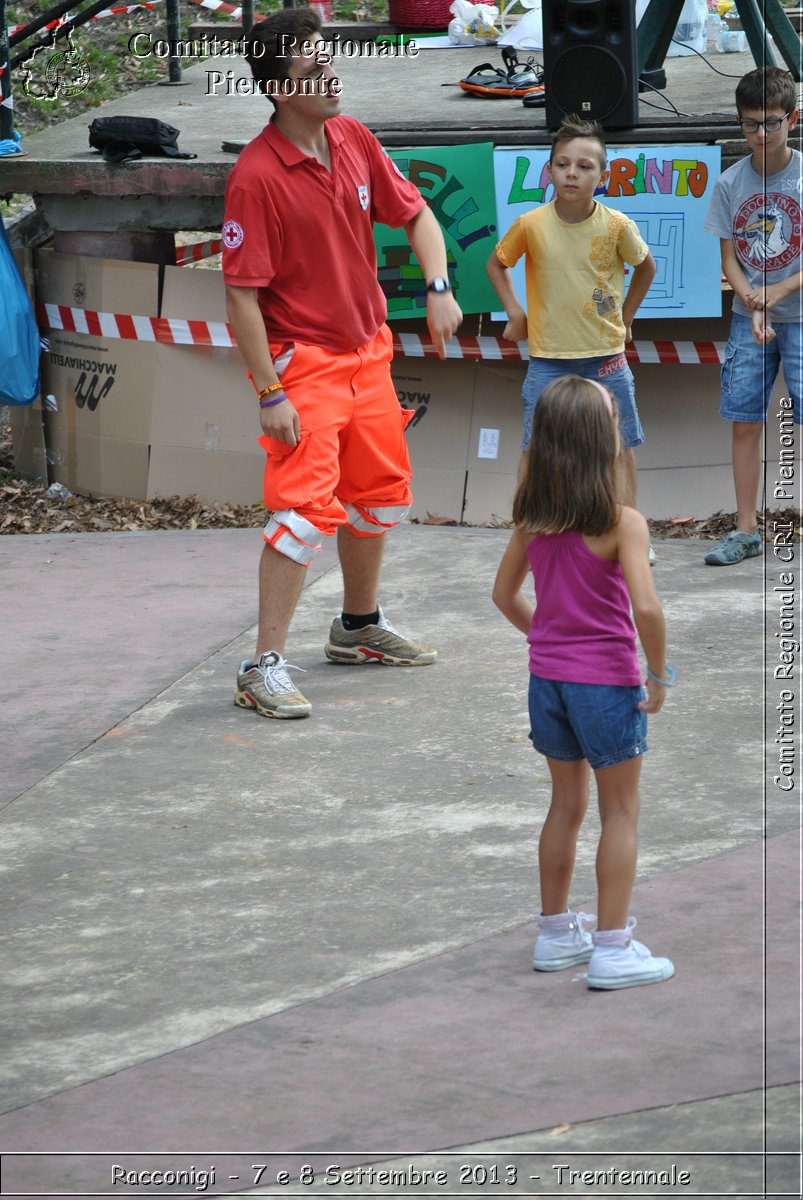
(122,139)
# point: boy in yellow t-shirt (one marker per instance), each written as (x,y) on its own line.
(578,319)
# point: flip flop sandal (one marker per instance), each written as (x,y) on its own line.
(487,80)
(494,83)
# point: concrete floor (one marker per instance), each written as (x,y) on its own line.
(230,941)
(313,938)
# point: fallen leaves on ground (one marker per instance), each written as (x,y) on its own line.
(27,508)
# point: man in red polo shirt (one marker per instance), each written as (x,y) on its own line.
(309,316)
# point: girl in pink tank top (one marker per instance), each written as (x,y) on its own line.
(589,558)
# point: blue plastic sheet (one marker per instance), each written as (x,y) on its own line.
(19,336)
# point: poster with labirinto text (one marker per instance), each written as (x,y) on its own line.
(664,189)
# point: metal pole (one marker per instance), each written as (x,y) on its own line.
(173,35)
(248,16)
(6,111)
(655,32)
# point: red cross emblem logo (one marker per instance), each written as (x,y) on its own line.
(233,235)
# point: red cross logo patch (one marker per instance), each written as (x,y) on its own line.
(233,235)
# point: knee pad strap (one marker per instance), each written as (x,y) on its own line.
(375,521)
(293,535)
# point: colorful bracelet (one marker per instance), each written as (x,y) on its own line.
(670,676)
(272,387)
(276,400)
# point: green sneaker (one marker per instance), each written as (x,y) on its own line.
(268,688)
(734,548)
(376,643)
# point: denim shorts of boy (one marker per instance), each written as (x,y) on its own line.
(599,722)
(749,370)
(610,370)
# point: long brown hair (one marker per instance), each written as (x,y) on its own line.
(572,476)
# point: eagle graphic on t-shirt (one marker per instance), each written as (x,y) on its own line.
(765,235)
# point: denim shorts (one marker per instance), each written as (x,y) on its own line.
(611,371)
(595,721)
(749,370)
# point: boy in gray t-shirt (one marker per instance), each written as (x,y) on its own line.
(756,210)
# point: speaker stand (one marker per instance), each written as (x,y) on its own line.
(657,27)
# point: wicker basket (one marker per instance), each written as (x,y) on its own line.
(420,14)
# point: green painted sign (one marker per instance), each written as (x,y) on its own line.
(457,184)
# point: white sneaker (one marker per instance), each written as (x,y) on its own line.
(619,961)
(562,942)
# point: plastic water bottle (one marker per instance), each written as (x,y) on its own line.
(734,41)
(714,27)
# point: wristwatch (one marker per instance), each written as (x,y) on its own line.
(439,285)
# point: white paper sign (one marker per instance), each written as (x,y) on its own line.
(489,444)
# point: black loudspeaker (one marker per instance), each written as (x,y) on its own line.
(590,65)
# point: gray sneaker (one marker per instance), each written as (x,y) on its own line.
(734,548)
(376,643)
(267,687)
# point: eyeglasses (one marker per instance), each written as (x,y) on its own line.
(771,125)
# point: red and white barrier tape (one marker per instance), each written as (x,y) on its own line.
(107,12)
(491,349)
(707,353)
(176,331)
(196,251)
(168,330)
(231,10)
(235,11)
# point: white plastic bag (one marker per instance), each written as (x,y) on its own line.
(474,24)
(528,32)
(692,31)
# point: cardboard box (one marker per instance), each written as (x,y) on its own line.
(441,394)
(98,386)
(211,405)
(496,423)
(438,492)
(685,491)
(97,466)
(216,477)
(489,497)
(139,418)
(102,385)
(100,390)
(679,410)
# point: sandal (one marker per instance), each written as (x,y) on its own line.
(516,81)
